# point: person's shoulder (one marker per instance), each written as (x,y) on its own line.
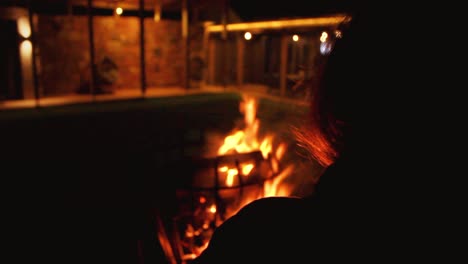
(274,207)
(266,225)
(264,215)
(273,202)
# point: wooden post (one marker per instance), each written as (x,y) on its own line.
(91,48)
(283,64)
(33,54)
(185,39)
(293,64)
(142,49)
(211,61)
(240,60)
(206,49)
(225,44)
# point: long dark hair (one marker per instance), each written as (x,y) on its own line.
(336,102)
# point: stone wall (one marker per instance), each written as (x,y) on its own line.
(63,52)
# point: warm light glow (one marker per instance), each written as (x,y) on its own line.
(247,35)
(280,150)
(231,142)
(247,140)
(266,146)
(264,173)
(157,11)
(295,38)
(243,141)
(276,187)
(231,173)
(26,49)
(338,34)
(119,11)
(213,209)
(325,48)
(157,17)
(189,256)
(275,165)
(324,36)
(189,232)
(277,24)
(202,199)
(24,28)
(246,169)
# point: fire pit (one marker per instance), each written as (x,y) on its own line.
(214,188)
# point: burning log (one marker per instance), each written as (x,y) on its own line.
(231,171)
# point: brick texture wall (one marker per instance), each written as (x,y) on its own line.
(63,51)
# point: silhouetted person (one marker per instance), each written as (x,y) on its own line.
(350,216)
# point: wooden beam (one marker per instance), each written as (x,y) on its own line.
(211,61)
(91,48)
(283,64)
(280,24)
(142,49)
(240,60)
(33,54)
(205,56)
(224,21)
(186,44)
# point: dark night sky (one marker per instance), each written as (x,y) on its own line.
(266,9)
(248,10)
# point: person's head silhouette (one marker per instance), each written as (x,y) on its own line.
(344,135)
(340,104)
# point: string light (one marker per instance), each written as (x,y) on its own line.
(324,36)
(157,11)
(119,11)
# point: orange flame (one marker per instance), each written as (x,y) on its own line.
(247,140)
(244,141)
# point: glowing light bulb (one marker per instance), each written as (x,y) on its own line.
(247,35)
(119,11)
(323,37)
(295,38)
(26,49)
(24,28)
(338,34)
